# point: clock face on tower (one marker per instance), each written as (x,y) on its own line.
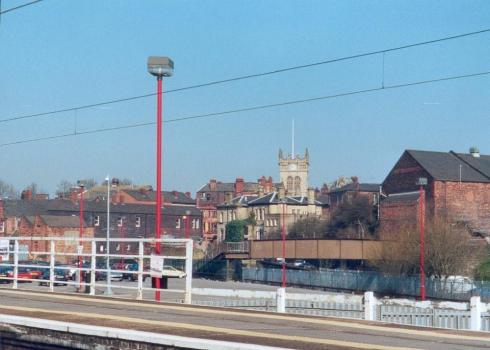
(292,167)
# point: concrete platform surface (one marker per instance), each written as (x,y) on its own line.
(249,327)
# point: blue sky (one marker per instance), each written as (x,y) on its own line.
(58,54)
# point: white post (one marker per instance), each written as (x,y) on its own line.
(93,266)
(141,252)
(475,313)
(188,271)
(369,306)
(16,263)
(51,265)
(281,300)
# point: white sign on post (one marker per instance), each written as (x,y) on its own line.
(156,266)
(4,249)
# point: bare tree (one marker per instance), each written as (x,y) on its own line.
(63,188)
(449,250)
(8,191)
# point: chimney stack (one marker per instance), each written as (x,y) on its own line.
(26,194)
(239,186)
(311,195)
(212,184)
(282,191)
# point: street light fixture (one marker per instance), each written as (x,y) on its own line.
(108,235)
(421,182)
(283,235)
(187,226)
(159,67)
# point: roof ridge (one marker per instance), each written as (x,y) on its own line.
(471,166)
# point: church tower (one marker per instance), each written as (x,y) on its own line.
(293,173)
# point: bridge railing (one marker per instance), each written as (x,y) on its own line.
(86,266)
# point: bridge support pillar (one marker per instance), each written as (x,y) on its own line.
(281,300)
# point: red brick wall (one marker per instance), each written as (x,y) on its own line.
(464,201)
(395,217)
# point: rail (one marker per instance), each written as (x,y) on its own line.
(90,262)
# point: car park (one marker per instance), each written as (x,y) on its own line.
(59,275)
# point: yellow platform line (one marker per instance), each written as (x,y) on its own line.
(271,316)
(211,329)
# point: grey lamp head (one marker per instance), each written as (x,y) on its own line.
(160,66)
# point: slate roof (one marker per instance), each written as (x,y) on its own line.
(273,198)
(239,201)
(57,220)
(362,187)
(230,187)
(20,207)
(122,208)
(178,198)
(445,166)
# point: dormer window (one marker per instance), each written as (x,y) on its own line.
(138,221)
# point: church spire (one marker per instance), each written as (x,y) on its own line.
(292,140)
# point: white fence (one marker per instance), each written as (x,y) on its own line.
(16,271)
(464,316)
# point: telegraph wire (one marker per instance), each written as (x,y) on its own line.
(244,77)
(253,108)
(19,7)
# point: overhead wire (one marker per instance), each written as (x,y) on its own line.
(252,108)
(244,77)
(19,7)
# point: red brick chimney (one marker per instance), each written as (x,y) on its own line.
(212,184)
(188,194)
(269,184)
(239,186)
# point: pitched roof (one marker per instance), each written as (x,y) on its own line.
(230,187)
(361,187)
(20,207)
(451,166)
(273,198)
(169,196)
(238,201)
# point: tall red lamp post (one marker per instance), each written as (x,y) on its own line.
(422,182)
(283,235)
(159,67)
(81,187)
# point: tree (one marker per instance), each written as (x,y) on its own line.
(354,218)
(126,182)
(309,227)
(235,231)
(89,183)
(449,250)
(63,188)
(8,191)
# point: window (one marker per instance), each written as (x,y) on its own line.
(119,221)
(138,221)
(203,195)
(2,226)
(96,220)
(275,222)
(197,223)
(297,185)
(128,247)
(221,217)
(193,223)
(289,187)
(101,248)
(118,247)
(177,223)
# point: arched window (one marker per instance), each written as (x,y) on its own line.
(297,185)
(290,184)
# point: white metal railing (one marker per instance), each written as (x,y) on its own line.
(145,246)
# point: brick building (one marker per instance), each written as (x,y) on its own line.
(346,192)
(215,192)
(458,189)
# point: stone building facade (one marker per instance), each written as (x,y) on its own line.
(293,173)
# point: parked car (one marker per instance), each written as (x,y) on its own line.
(59,275)
(172,272)
(133,276)
(4,270)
